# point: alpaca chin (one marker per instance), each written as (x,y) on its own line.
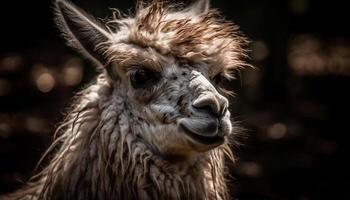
(167,141)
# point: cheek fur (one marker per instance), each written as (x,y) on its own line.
(141,97)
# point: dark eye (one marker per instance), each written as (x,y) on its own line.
(142,78)
(218,79)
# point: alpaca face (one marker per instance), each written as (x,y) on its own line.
(169,63)
(178,107)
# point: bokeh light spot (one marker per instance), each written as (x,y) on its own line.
(35,124)
(11,63)
(309,55)
(299,6)
(5,130)
(259,51)
(45,82)
(72,72)
(251,169)
(5,87)
(277,131)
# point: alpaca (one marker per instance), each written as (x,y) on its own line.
(155,124)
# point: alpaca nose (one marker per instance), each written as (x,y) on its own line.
(216,104)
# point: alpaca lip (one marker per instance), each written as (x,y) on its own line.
(206,140)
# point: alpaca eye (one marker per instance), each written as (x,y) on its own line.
(218,79)
(142,78)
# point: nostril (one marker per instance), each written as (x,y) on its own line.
(212,103)
(209,104)
(208,108)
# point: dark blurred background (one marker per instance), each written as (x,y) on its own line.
(294,105)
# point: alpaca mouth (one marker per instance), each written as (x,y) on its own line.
(206,140)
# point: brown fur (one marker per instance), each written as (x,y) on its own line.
(206,37)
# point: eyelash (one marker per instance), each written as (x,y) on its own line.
(142,77)
(218,79)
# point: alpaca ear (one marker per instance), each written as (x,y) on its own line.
(200,6)
(81,31)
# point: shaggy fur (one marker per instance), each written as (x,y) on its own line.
(124,143)
(201,37)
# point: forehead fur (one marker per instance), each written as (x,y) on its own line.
(201,37)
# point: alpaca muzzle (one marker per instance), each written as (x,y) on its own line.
(201,131)
(209,122)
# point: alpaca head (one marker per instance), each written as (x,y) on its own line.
(167,64)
